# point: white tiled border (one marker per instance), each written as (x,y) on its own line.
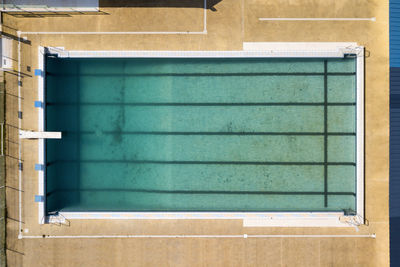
(360,134)
(250,219)
(286,53)
(41,128)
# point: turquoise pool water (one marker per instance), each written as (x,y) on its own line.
(182,134)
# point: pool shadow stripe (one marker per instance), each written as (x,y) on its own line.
(203,162)
(204,74)
(199,192)
(325,133)
(206,104)
(215,133)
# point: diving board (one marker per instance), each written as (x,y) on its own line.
(39,135)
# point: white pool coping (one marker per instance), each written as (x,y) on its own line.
(250,219)
(41,127)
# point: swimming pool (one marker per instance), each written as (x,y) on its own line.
(201,134)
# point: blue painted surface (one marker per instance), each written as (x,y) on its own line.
(38,104)
(395,166)
(394,132)
(39,167)
(394,24)
(38,72)
(39,198)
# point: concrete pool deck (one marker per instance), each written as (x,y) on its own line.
(233,23)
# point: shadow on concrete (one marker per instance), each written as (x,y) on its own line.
(210,4)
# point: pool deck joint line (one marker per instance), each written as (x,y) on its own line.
(373,19)
(373,236)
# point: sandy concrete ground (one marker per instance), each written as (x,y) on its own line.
(232,23)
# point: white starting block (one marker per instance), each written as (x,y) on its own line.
(39,135)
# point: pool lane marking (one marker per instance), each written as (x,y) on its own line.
(325,133)
(205,104)
(204,192)
(207,74)
(317,19)
(78,118)
(177,162)
(216,133)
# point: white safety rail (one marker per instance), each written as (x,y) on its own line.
(251,219)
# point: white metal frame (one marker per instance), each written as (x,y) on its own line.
(283,219)
(18,8)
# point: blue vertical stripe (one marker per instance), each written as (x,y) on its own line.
(394,24)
